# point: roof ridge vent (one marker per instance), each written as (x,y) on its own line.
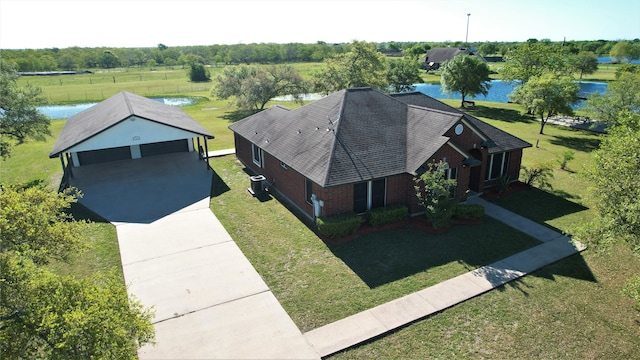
(126,101)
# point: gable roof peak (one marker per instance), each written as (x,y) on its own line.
(116,109)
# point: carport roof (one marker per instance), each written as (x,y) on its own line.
(116,109)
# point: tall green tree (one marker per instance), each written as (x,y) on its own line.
(361,66)
(19,117)
(198,73)
(416,51)
(467,75)
(403,73)
(527,60)
(584,63)
(108,59)
(614,171)
(254,86)
(488,48)
(547,96)
(45,315)
(625,51)
(622,94)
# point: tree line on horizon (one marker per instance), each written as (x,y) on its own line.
(76,58)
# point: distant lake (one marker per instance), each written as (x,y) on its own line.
(500,90)
(66,111)
(608,60)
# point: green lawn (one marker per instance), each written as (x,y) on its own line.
(571,309)
(568,310)
(318,283)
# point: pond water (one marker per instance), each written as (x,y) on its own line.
(608,59)
(66,111)
(500,90)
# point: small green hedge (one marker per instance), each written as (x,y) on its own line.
(468,211)
(338,226)
(387,215)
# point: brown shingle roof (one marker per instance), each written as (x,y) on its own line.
(440,55)
(350,136)
(117,108)
(502,139)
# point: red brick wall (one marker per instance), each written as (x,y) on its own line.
(339,199)
(515,159)
(466,140)
(454,159)
(287,181)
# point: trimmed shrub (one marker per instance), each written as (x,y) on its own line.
(387,215)
(338,226)
(468,211)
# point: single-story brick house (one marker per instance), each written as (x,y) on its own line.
(437,56)
(359,149)
(126,126)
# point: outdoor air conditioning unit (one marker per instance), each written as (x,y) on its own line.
(258,183)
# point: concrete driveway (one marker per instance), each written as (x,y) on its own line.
(209,301)
(143,190)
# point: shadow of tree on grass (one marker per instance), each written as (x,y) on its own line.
(576,143)
(237,115)
(383,257)
(541,206)
(507,115)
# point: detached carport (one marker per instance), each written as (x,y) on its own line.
(135,162)
(127,127)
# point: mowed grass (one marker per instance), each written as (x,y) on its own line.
(570,188)
(571,309)
(319,283)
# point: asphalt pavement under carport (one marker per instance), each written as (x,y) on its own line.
(208,299)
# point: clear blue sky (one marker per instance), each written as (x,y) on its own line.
(146,23)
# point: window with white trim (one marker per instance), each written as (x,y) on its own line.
(497,165)
(258,155)
(449,173)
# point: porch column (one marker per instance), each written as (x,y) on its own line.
(206,151)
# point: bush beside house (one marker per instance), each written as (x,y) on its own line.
(338,226)
(468,211)
(387,215)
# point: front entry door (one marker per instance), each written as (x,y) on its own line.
(475,177)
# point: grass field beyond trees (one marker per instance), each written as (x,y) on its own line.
(571,309)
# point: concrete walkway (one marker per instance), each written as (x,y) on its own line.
(223,152)
(368,324)
(209,301)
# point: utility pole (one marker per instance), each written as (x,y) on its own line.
(466,39)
